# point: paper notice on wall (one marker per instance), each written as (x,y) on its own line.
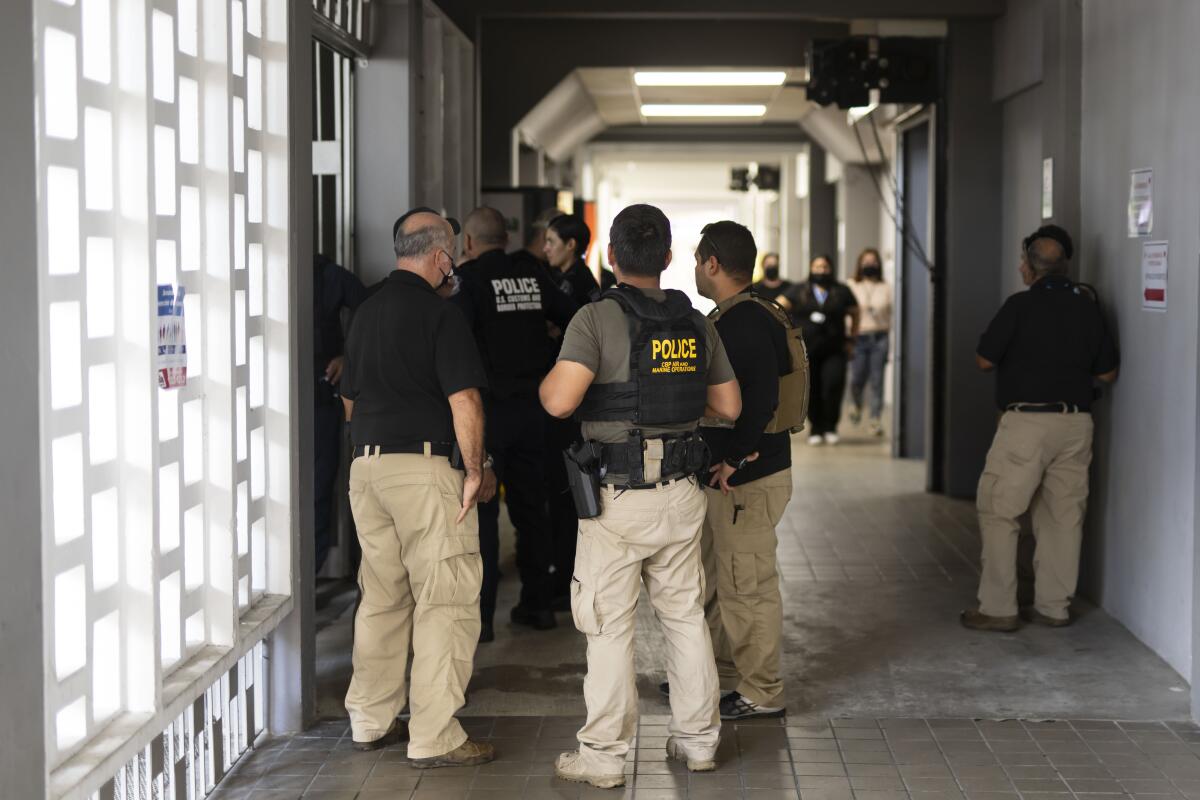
(1047,188)
(1141,202)
(1154,276)
(171,361)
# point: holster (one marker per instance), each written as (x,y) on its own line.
(456,458)
(583,475)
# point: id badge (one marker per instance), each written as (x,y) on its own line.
(817,317)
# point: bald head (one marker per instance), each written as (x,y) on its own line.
(1047,257)
(484,230)
(422,234)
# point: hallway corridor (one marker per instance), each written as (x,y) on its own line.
(889,698)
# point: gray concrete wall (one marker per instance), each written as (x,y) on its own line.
(1021,190)
(822,211)
(293,656)
(22,760)
(1141,103)
(384,158)
(858,213)
(969,264)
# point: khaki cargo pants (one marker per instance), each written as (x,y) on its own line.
(649,536)
(742,602)
(420,580)
(1038,463)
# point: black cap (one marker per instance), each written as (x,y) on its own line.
(424,210)
(1052,232)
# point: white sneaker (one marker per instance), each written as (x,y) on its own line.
(831,439)
(675,752)
(816,440)
(569,767)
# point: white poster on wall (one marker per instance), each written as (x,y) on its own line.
(1154,276)
(171,361)
(1047,188)
(1141,202)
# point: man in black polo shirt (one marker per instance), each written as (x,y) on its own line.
(1047,345)
(750,486)
(411,387)
(507,304)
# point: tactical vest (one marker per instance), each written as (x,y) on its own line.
(512,335)
(792,410)
(668,364)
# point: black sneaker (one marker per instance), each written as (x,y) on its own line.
(664,689)
(394,735)
(734,706)
(540,619)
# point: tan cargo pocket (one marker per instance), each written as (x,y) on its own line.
(583,609)
(457,575)
(744,569)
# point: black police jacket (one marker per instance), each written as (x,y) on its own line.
(508,304)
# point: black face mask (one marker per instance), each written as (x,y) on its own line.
(873,273)
(824,279)
(451,281)
(771,273)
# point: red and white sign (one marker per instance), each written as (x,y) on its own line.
(1154,276)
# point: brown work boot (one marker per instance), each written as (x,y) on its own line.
(973,619)
(570,767)
(394,735)
(1031,614)
(467,754)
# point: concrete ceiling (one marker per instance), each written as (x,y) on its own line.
(592,100)
(618,99)
(467,14)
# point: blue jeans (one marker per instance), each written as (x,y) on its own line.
(870,359)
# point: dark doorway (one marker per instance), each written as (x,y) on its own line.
(914,290)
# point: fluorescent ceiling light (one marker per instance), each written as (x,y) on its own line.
(701,78)
(703,110)
(858,112)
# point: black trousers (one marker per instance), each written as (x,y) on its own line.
(328,418)
(827,387)
(515,440)
(564,520)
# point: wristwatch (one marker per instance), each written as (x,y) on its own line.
(739,464)
(489,462)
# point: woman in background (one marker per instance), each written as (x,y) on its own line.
(824,309)
(874,297)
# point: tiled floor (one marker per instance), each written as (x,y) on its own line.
(874,571)
(843,759)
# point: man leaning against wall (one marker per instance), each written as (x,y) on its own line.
(1047,346)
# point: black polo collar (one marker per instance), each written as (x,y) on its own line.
(1053,282)
(411,279)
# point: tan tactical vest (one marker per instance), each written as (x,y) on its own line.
(792,411)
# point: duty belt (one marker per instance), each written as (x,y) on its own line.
(682,455)
(1060,407)
(412,448)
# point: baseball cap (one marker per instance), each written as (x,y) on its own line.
(1052,232)
(454,225)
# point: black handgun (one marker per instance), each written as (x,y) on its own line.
(583,474)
